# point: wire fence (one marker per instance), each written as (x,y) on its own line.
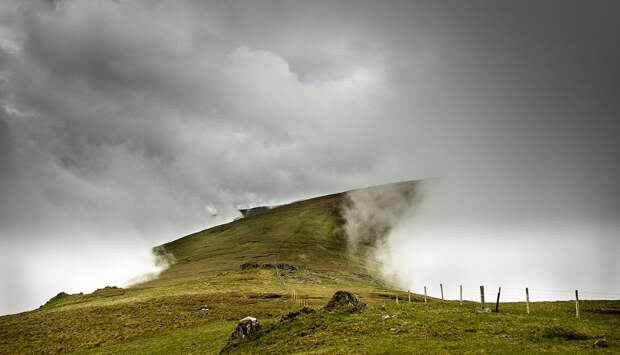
(294,296)
(514,294)
(525,294)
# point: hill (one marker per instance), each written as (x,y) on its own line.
(270,264)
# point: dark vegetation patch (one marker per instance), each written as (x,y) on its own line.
(605,311)
(293,315)
(250,266)
(603,307)
(286,267)
(266,295)
(563,333)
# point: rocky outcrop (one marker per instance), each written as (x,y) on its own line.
(343,301)
(247,212)
(245,328)
(251,265)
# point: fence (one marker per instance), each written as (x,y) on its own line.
(518,294)
(301,301)
(524,296)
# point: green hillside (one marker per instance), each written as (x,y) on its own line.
(228,272)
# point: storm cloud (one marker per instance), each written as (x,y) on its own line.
(125,124)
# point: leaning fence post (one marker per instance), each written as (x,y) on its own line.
(461,299)
(577,303)
(441,287)
(527,300)
(424,294)
(482,297)
(497,303)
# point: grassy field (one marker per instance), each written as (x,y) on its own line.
(195,304)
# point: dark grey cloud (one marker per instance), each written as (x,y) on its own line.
(126,123)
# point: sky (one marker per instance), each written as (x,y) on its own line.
(126,124)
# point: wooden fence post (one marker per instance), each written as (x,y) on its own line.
(482,297)
(424,294)
(497,303)
(527,300)
(441,287)
(461,298)
(396,299)
(577,303)
(409,295)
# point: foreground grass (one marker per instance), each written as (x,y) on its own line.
(204,339)
(440,327)
(176,324)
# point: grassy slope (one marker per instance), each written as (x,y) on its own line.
(163,315)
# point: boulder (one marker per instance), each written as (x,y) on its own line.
(245,328)
(345,301)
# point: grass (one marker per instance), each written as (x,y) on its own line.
(166,315)
(433,328)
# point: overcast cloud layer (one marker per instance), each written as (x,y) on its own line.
(125,124)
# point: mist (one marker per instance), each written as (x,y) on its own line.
(449,236)
(127,124)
